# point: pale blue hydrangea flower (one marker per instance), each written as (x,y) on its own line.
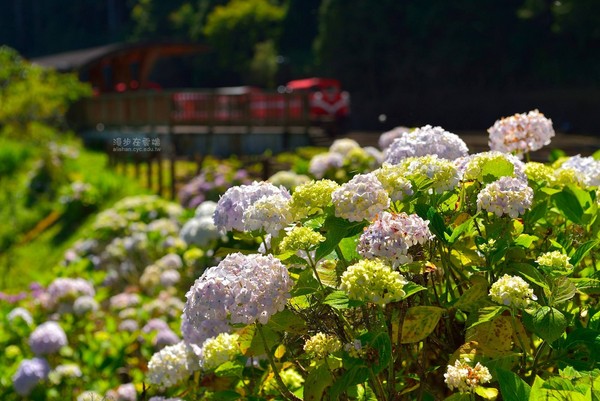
(199,231)
(388,137)
(391,235)
(29,373)
(506,196)
(361,198)
(521,133)
(424,141)
(206,209)
(169,278)
(588,169)
(229,214)
(47,338)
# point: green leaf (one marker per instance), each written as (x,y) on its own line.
(525,240)
(348,248)
(562,289)
(512,387)
(353,376)
(437,225)
(549,323)
(419,322)
(489,313)
(340,300)
(581,251)
(411,288)
(493,169)
(336,229)
(381,343)
(459,397)
(287,321)
(569,205)
(226,395)
(488,393)
(230,368)
(470,300)
(529,273)
(457,231)
(306,284)
(316,383)
(589,286)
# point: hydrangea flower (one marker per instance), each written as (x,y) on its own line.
(301,238)
(218,350)
(288,179)
(229,214)
(361,198)
(320,345)
(161,398)
(240,289)
(521,133)
(66,371)
(85,304)
(20,313)
(29,373)
(47,338)
(172,365)
(555,261)
(388,137)
(155,324)
(344,146)
(539,172)
(373,281)
(506,196)
(587,168)
(426,140)
(165,337)
(312,197)
(393,178)
(443,173)
(464,377)
(125,392)
(512,291)
(269,214)
(391,235)
(324,162)
(199,231)
(90,396)
(67,290)
(196,331)
(205,209)
(473,167)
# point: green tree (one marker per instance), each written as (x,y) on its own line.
(235,29)
(33,99)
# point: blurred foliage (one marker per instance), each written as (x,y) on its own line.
(34,98)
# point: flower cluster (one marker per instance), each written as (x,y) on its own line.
(172,365)
(47,338)
(506,196)
(476,167)
(240,289)
(587,169)
(521,133)
(361,198)
(512,291)
(442,173)
(66,290)
(20,313)
(555,262)
(373,281)
(393,178)
(269,214)
(29,374)
(388,137)
(288,179)
(301,238)
(312,197)
(424,141)
(201,230)
(218,350)
(230,213)
(539,172)
(391,235)
(464,377)
(320,345)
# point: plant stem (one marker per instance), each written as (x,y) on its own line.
(285,392)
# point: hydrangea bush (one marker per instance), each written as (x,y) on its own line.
(429,274)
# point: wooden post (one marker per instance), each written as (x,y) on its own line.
(160,174)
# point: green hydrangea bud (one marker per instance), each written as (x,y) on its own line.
(312,197)
(373,281)
(301,238)
(320,345)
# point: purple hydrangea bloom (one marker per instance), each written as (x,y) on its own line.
(29,374)
(47,338)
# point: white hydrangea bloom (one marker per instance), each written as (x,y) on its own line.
(270,214)
(386,139)
(229,214)
(442,172)
(471,168)
(323,162)
(426,140)
(392,177)
(512,291)
(343,146)
(587,169)
(506,196)
(206,209)
(521,133)
(373,281)
(172,365)
(465,378)
(361,198)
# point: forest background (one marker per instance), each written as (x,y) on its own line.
(460,64)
